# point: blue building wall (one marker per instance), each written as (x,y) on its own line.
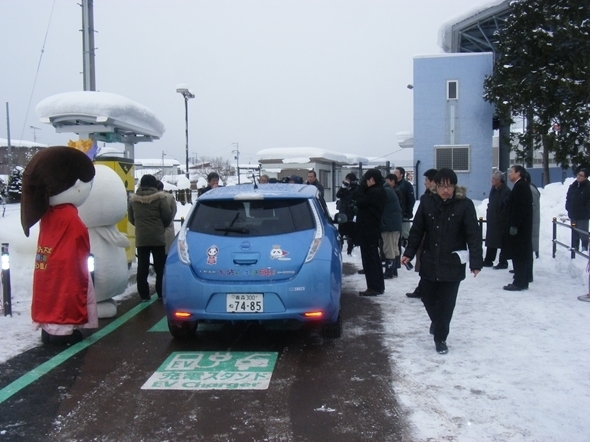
(472,120)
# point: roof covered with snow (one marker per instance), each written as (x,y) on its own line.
(293,155)
(20,143)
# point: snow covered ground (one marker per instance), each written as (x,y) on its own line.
(517,367)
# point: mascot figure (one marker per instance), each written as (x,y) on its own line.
(104,208)
(55,182)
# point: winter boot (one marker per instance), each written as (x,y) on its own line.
(388,273)
(396,265)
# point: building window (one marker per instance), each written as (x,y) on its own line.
(453,157)
(452,90)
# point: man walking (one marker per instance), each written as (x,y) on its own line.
(429,190)
(447,222)
(370,202)
(577,204)
(517,241)
(407,189)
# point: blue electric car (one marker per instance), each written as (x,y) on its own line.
(267,253)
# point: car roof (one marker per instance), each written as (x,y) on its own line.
(274,190)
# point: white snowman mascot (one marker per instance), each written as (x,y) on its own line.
(104,208)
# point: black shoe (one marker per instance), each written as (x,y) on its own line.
(370,292)
(432,328)
(500,266)
(488,264)
(361,272)
(414,294)
(514,288)
(441,347)
(510,271)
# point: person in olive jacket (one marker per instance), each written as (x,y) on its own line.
(577,204)
(370,203)
(448,223)
(149,211)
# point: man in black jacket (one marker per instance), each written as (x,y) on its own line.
(517,242)
(447,222)
(345,196)
(370,203)
(577,204)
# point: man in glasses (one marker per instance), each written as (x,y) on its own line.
(448,223)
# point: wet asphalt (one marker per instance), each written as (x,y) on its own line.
(321,389)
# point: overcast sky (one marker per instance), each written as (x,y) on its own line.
(266,73)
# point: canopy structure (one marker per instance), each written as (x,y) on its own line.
(108,117)
(474,32)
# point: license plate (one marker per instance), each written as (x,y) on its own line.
(245,303)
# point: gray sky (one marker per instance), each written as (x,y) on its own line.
(266,73)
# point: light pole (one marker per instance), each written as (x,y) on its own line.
(183,90)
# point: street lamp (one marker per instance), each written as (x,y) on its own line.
(183,90)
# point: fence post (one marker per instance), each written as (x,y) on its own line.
(6,295)
(572,249)
(480,222)
(554,237)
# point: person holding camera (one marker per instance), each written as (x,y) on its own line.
(447,221)
(370,204)
(345,204)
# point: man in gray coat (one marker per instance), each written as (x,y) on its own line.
(149,211)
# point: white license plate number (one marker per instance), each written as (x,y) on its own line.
(245,303)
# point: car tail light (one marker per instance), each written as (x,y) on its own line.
(182,245)
(182,314)
(319,235)
(316,315)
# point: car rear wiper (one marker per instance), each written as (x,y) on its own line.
(233,230)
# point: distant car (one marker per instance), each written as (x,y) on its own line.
(268,253)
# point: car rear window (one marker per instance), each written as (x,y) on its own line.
(251,218)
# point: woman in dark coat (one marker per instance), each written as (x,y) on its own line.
(495,221)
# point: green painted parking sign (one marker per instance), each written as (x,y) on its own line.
(214,370)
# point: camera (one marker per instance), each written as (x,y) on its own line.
(409,265)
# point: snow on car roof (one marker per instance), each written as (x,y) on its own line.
(271,190)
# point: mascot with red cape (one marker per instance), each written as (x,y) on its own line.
(56,181)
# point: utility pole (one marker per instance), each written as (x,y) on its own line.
(88,45)
(237,157)
(35,129)
(9,147)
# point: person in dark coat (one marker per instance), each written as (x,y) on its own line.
(517,241)
(212,183)
(577,204)
(370,203)
(345,205)
(390,231)
(447,222)
(150,212)
(495,221)
(429,190)
(313,180)
(407,189)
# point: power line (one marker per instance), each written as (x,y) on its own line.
(37,73)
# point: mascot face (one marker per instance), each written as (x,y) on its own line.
(75,195)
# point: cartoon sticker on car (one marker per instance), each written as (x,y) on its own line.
(278,253)
(212,255)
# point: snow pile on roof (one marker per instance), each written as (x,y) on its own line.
(100,104)
(290,155)
(20,143)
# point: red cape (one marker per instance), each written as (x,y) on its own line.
(60,279)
